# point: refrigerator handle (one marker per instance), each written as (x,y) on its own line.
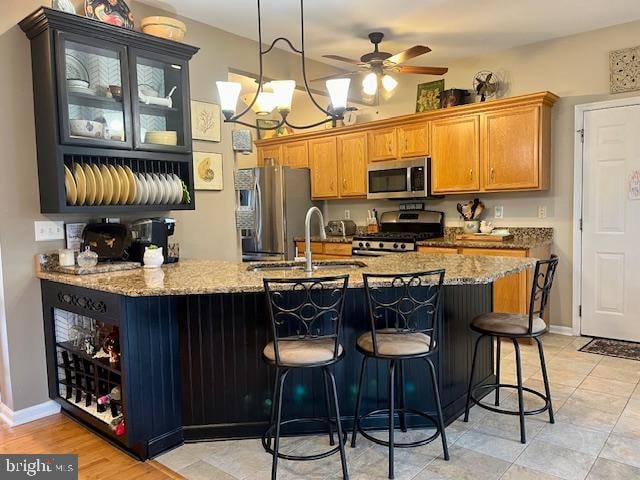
(258,210)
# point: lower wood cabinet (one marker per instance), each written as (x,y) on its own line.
(326,250)
(447,250)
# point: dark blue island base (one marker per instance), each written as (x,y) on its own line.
(191,366)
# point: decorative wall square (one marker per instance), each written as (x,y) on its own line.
(205,121)
(624,69)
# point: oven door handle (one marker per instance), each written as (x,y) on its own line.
(370,253)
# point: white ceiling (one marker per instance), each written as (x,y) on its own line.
(452,28)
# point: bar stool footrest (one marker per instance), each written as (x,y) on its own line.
(385,443)
(267,438)
(492,386)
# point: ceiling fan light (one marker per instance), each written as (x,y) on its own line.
(389,83)
(370,84)
(228,93)
(338,91)
(283,93)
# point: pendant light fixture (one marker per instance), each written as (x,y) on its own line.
(280,95)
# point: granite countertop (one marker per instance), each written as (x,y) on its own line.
(523,239)
(193,277)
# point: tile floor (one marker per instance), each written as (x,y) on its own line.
(596,435)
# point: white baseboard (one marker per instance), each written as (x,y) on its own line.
(27,415)
(560,330)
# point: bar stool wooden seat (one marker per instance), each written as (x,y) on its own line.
(404,312)
(306,318)
(513,327)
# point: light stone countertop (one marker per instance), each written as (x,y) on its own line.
(194,277)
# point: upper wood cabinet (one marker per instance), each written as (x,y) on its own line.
(295,154)
(510,149)
(271,153)
(455,154)
(383,144)
(323,162)
(352,165)
(413,140)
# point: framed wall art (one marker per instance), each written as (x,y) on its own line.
(624,70)
(205,121)
(207,171)
(428,96)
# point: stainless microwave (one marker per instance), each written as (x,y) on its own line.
(399,179)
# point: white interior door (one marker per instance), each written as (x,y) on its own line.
(611,224)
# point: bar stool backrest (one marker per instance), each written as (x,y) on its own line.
(306,309)
(404,303)
(543,277)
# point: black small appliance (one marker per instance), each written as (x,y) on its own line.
(108,240)
(151,231)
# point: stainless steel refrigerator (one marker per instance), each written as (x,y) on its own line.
(273,201)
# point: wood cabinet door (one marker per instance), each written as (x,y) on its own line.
(295,154)
(323,162)
(413,140)
(445,250)
(383,144)
(510,141)
(455,154)
(510,294)
(274,152)
(352,165)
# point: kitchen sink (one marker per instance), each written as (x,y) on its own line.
(321,265)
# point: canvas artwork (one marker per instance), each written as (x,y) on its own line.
(428,96)
(205,121)
(207,171)
(624,70)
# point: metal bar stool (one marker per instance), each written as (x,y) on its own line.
(514,326)
(403,310)
(312,308)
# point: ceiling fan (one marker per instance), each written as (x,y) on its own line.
(381,64)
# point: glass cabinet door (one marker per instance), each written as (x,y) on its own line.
(93,92)
(160,102)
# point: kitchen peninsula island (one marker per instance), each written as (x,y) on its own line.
(191,337)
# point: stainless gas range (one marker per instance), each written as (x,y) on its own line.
(400,230)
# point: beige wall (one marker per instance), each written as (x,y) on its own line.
(208,232)
(577,69)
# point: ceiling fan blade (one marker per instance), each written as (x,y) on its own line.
(335,75)
(343,59)
(408,54)
(422,70)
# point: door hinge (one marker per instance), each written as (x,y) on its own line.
(580,224)
(581,132)
(579,310)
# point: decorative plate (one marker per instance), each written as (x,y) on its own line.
(113,12)
(76,69)
(64,6)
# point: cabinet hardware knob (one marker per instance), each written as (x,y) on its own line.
(471,174)
(493,176)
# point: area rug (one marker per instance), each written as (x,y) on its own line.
(613,348)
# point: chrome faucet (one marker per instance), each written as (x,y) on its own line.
(307,235)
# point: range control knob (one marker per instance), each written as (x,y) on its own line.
(403,246)
(395,246)
(361,244)
(367,244)
(381,245)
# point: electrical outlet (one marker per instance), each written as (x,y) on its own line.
(542,211)
(498,211)
(46,231)
(347,214)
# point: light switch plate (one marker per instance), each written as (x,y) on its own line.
(498,211)
(542,211)
(47,231)
(347,214)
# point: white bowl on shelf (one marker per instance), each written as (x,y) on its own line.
(86,128)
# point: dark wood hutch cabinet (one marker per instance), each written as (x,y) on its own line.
(84,121)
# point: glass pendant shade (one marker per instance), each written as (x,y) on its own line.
(283,93)
(370,84)
(389,83)
(228,93)
(264,104)
(338,91)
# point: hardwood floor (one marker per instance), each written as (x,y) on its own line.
(97,458)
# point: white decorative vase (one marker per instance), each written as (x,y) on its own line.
(152,257)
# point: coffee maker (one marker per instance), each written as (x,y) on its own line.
(151,231)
